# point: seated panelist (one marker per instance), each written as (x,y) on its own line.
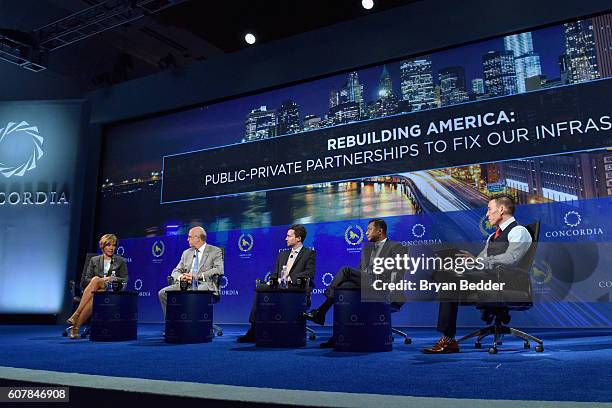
(378,246)
(97,277)
(291,266)
(201,261)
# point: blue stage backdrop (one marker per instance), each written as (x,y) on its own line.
(423,142)
(38,163)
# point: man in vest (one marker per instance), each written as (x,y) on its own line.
(506,246)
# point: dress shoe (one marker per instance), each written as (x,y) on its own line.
(329,343)
(315,316)
(248,337)
(443,346)
(73,333)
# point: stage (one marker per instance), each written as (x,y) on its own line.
(575,366)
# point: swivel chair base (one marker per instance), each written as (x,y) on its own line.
(407,340)
(497,330)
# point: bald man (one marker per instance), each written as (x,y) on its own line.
(208,259)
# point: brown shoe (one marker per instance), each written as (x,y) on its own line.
(443,346)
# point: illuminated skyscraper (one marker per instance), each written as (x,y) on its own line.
(602,29)
(387,103)
(260,124)
(353,92)
(500,77)
(526,61)
(417,83)
(452,85)
(289,118)
(580,50)
(344,113)
(385,88)
(334,98)
(478,87)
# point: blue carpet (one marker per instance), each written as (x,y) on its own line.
(576,364)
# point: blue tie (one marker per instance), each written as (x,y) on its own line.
(196,267)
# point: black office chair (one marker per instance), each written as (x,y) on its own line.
(497,313)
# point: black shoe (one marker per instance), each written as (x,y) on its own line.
(315,316)
(248,337)
(329,343)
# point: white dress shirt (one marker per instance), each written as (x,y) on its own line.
(519,241)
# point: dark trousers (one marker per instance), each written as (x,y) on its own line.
(449,300)
(347,278)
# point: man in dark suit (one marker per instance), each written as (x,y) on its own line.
(291,266)
(378,246)
(505,247)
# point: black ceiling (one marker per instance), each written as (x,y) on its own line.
(224,23)
(177,36)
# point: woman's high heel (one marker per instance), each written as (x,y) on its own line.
(73,332)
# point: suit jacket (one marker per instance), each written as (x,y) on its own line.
(96,268)
(389,250)
(211,264)
(303,266)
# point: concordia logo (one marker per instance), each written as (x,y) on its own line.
(573,219)
(23,129)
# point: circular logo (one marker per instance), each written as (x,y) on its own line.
(278,317)
(120,250)
(223,282)
(485,227)
(117,316)
(341,338)
(541,273)
(173,299)
(245,242)
(418,230)
(158,249)
(327,278)
(107,300)
(572,219)
(25,161)
(205,316)
(382,318)
(340,298)
(354,318)
(353,235)
(266,299)
(183,316)
(138,284)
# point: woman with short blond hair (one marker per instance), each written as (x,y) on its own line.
(97,277)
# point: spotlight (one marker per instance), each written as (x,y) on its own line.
(250,39)
(367,4)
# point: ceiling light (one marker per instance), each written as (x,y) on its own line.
(367,4)
(250,38)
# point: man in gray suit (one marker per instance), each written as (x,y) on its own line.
(202,261)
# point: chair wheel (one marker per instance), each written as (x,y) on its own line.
(220,333)
(493,350)
(539,348)
(312,337)
(526,345)
(478,345)
(407,341)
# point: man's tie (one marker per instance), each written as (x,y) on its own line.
(498,232)
(196,267)
(290,262)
